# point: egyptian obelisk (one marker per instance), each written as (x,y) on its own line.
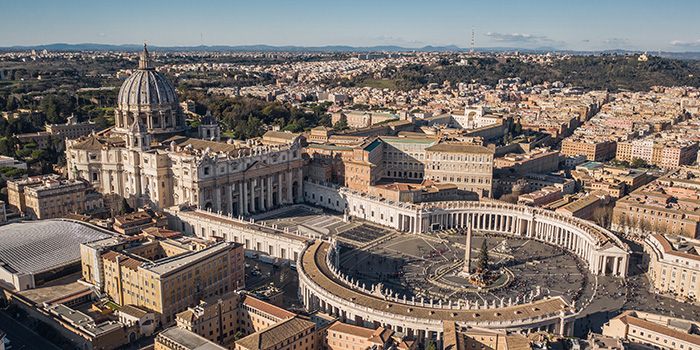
(468,251)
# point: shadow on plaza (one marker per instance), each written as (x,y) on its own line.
(593,323)
(372,268)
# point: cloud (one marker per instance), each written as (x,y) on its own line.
(695,43)
(525,39)
(616,42)
(388,39)
(517,37)
(586,40)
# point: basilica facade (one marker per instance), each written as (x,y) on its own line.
(146,158)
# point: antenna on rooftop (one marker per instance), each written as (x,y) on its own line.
(471,50)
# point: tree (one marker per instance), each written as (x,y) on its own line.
(38,154)
(431,345)
(622,221)
(483,262)
(602,216)
(126,208)
(643,226)
(509,198)
(517,128)
(638,163)
(340,125)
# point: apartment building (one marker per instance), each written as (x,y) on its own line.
(164,276)
(667,154)
(341,336)
(364,169)
(458,338)
(596,150)
(220,318)
(674,265)
(645,330)
(537,161)
(294,333)
(47,197)
(540,198)
(470,167)
(176,338)
(668,205)
(72,129)
(581,208)
(404,157)
(134,223)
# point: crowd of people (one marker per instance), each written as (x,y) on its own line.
(553,269)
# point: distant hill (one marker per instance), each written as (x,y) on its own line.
(238,48)
(333,48)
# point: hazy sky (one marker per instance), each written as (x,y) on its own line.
(579,25)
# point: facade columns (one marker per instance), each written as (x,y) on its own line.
(269,191)
(241,202)
(280,200)
(245,197)
(217,198)
(229,199)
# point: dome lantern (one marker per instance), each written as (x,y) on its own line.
(145,60)
(149,97)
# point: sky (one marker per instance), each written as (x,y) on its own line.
(669,25)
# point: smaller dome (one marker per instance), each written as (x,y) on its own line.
(208,119)
(138,128)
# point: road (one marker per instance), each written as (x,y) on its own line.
(22,337)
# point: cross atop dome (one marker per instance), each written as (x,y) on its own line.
(145,61)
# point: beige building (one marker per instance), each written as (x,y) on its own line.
(71,130)
(668,205)
(15,191)
(164,276)
(674,265)
(134,223)
(665,154)
(341,336)
(456,338)
(293,333)
(537,161)
(47,197)
(593,150)
(645,330)
(175,338)
(470,167)
(221,318)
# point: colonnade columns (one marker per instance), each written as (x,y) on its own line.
(289,188)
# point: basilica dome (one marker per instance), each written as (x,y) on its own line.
(147,87)
(148,97)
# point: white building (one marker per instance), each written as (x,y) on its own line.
(145,160)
